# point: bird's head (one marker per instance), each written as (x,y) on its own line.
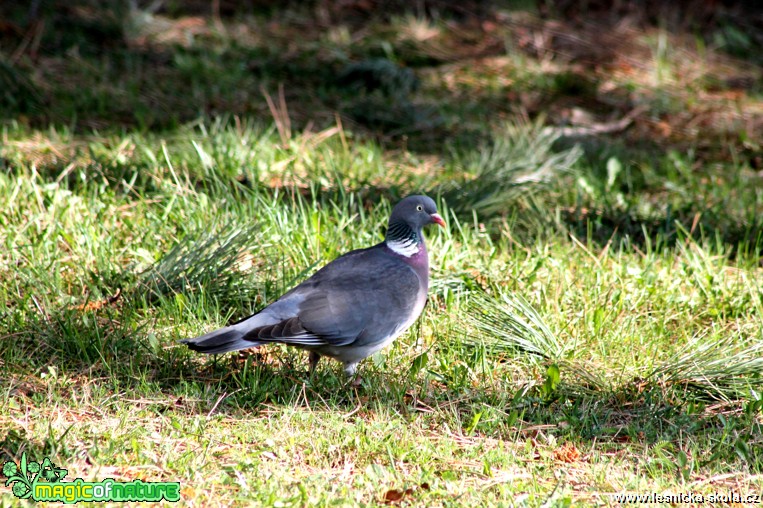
(416,212)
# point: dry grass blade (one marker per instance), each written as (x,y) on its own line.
(280,114)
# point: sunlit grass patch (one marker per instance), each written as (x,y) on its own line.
(643,374)
(594,320)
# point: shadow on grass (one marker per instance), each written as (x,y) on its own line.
(111,349)
(160,86)
(603,227)
(107,67)
(180,62)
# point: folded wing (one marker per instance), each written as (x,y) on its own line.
(360,297)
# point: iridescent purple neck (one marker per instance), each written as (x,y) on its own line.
(419,261)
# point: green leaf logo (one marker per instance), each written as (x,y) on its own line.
(20,478)
(24,476)
(21,490)
(50,473)
(9,469)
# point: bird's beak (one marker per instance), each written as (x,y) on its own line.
(437,220)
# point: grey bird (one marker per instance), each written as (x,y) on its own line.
(352,307)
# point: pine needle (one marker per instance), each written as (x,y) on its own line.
(518,160)
(210,260)
(510,324)
(716,368)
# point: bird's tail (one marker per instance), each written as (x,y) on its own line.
(223,340)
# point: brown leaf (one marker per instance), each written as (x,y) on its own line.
(568,452)
(393,496)
(91,306)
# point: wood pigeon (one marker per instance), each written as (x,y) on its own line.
(353,306)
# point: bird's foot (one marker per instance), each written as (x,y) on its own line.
(314,359)
(350,370)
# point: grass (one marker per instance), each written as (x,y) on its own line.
(594,324)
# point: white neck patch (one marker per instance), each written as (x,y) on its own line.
(405,248)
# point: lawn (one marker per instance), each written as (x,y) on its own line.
(595,319)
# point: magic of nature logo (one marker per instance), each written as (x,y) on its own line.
(44,481)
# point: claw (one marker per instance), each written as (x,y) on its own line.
(314,359)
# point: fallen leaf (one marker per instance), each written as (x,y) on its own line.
(91,306)
(567,453)
(393,496)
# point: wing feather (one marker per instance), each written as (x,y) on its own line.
(363,289)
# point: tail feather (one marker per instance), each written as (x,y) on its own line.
(223,340)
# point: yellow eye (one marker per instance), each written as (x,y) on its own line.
(419,208)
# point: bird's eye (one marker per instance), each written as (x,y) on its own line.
(419,208)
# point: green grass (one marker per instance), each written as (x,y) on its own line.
(455,405)
(594,323)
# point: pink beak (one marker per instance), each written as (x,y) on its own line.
(437,220)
